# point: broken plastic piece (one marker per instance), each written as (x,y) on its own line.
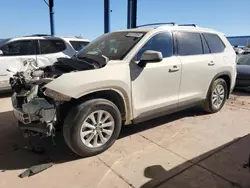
(35,170)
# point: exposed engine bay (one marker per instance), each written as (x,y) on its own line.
(35,107)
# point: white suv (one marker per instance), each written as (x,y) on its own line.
(126,77)
(42,49)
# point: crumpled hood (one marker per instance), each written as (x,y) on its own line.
(75,84)
(67,65)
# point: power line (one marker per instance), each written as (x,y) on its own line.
(46,2)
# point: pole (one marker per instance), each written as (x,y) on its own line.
(129,14)
(106,16)
(133,13)
(51,13)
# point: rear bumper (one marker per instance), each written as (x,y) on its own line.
(4,87)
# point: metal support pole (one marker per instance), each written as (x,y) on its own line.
(129,14)
(51,13)
(106,16)
(133,13)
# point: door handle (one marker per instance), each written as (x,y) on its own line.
(174,69)
(211,63)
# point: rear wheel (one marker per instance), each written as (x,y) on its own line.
(216,97)
(92,127)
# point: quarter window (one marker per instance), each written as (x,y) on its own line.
(25,47)
(214,42)
(161,42)
(51,46)
(189,44)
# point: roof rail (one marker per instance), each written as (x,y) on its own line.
(38,35)
(168,23)
(194,25)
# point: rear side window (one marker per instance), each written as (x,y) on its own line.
(22,47)
(189,43)
(161,42)
(214,42)
(78,45)
(51,46)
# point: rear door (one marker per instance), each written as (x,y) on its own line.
(14,55)
(197,73)
(50,50)
(217,48)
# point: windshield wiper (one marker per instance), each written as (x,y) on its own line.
(106,58)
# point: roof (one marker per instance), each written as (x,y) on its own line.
(48,37)
(170,28)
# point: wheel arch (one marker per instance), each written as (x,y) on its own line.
(116,96)
(224,75)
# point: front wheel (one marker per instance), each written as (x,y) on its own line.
(92,127)
(217,96)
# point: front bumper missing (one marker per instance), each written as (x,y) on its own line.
(37,115)
(22,117)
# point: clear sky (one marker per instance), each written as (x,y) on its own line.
(85,17)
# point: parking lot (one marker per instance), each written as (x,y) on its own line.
(186,149)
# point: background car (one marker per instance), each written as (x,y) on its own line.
(42,49)
(243,71)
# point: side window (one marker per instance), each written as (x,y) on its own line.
(189,43)
(214,42)
(23,47)
(161,42)
(51,46)
(78,45)
(206,49)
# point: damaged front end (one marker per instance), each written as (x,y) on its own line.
(36,107)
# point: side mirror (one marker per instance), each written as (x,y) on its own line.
(1,52)
(150,56)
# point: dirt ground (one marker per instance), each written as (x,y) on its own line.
(188,149)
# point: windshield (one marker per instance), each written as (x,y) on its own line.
(112,45)
(244,60)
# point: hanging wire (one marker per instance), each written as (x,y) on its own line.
(46,2)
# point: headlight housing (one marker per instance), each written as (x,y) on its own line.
(56,95)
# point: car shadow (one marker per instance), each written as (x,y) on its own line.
(14,156)
(225,166)
(136,128)
(241,92)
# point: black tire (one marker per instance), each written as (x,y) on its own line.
(75,118)
(208,106)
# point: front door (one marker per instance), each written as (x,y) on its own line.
(14,54)
(155,87)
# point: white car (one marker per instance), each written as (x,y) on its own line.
(125,77)
(42,49)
